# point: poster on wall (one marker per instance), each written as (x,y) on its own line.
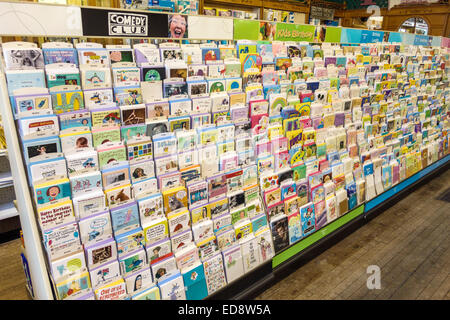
(115,23)
(321,13)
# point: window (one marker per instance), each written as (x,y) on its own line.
(414,25)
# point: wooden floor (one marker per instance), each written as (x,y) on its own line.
(12,276)
(409,242)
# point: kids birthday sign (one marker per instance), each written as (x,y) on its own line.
(294,32)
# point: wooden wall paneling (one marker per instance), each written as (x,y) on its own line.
(249,4)
(447,27)
(201,4)
(339,13)
(435,15)
(286,6)
(92,3)
(246,5)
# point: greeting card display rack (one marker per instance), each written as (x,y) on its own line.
(259,277)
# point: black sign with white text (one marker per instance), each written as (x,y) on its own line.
(116,23)
(121,24)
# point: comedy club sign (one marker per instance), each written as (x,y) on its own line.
(118,23)
(127,24)
(121,24)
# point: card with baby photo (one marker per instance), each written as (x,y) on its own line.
(76,139)
(41,149)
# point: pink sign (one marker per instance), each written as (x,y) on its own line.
(446,42)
